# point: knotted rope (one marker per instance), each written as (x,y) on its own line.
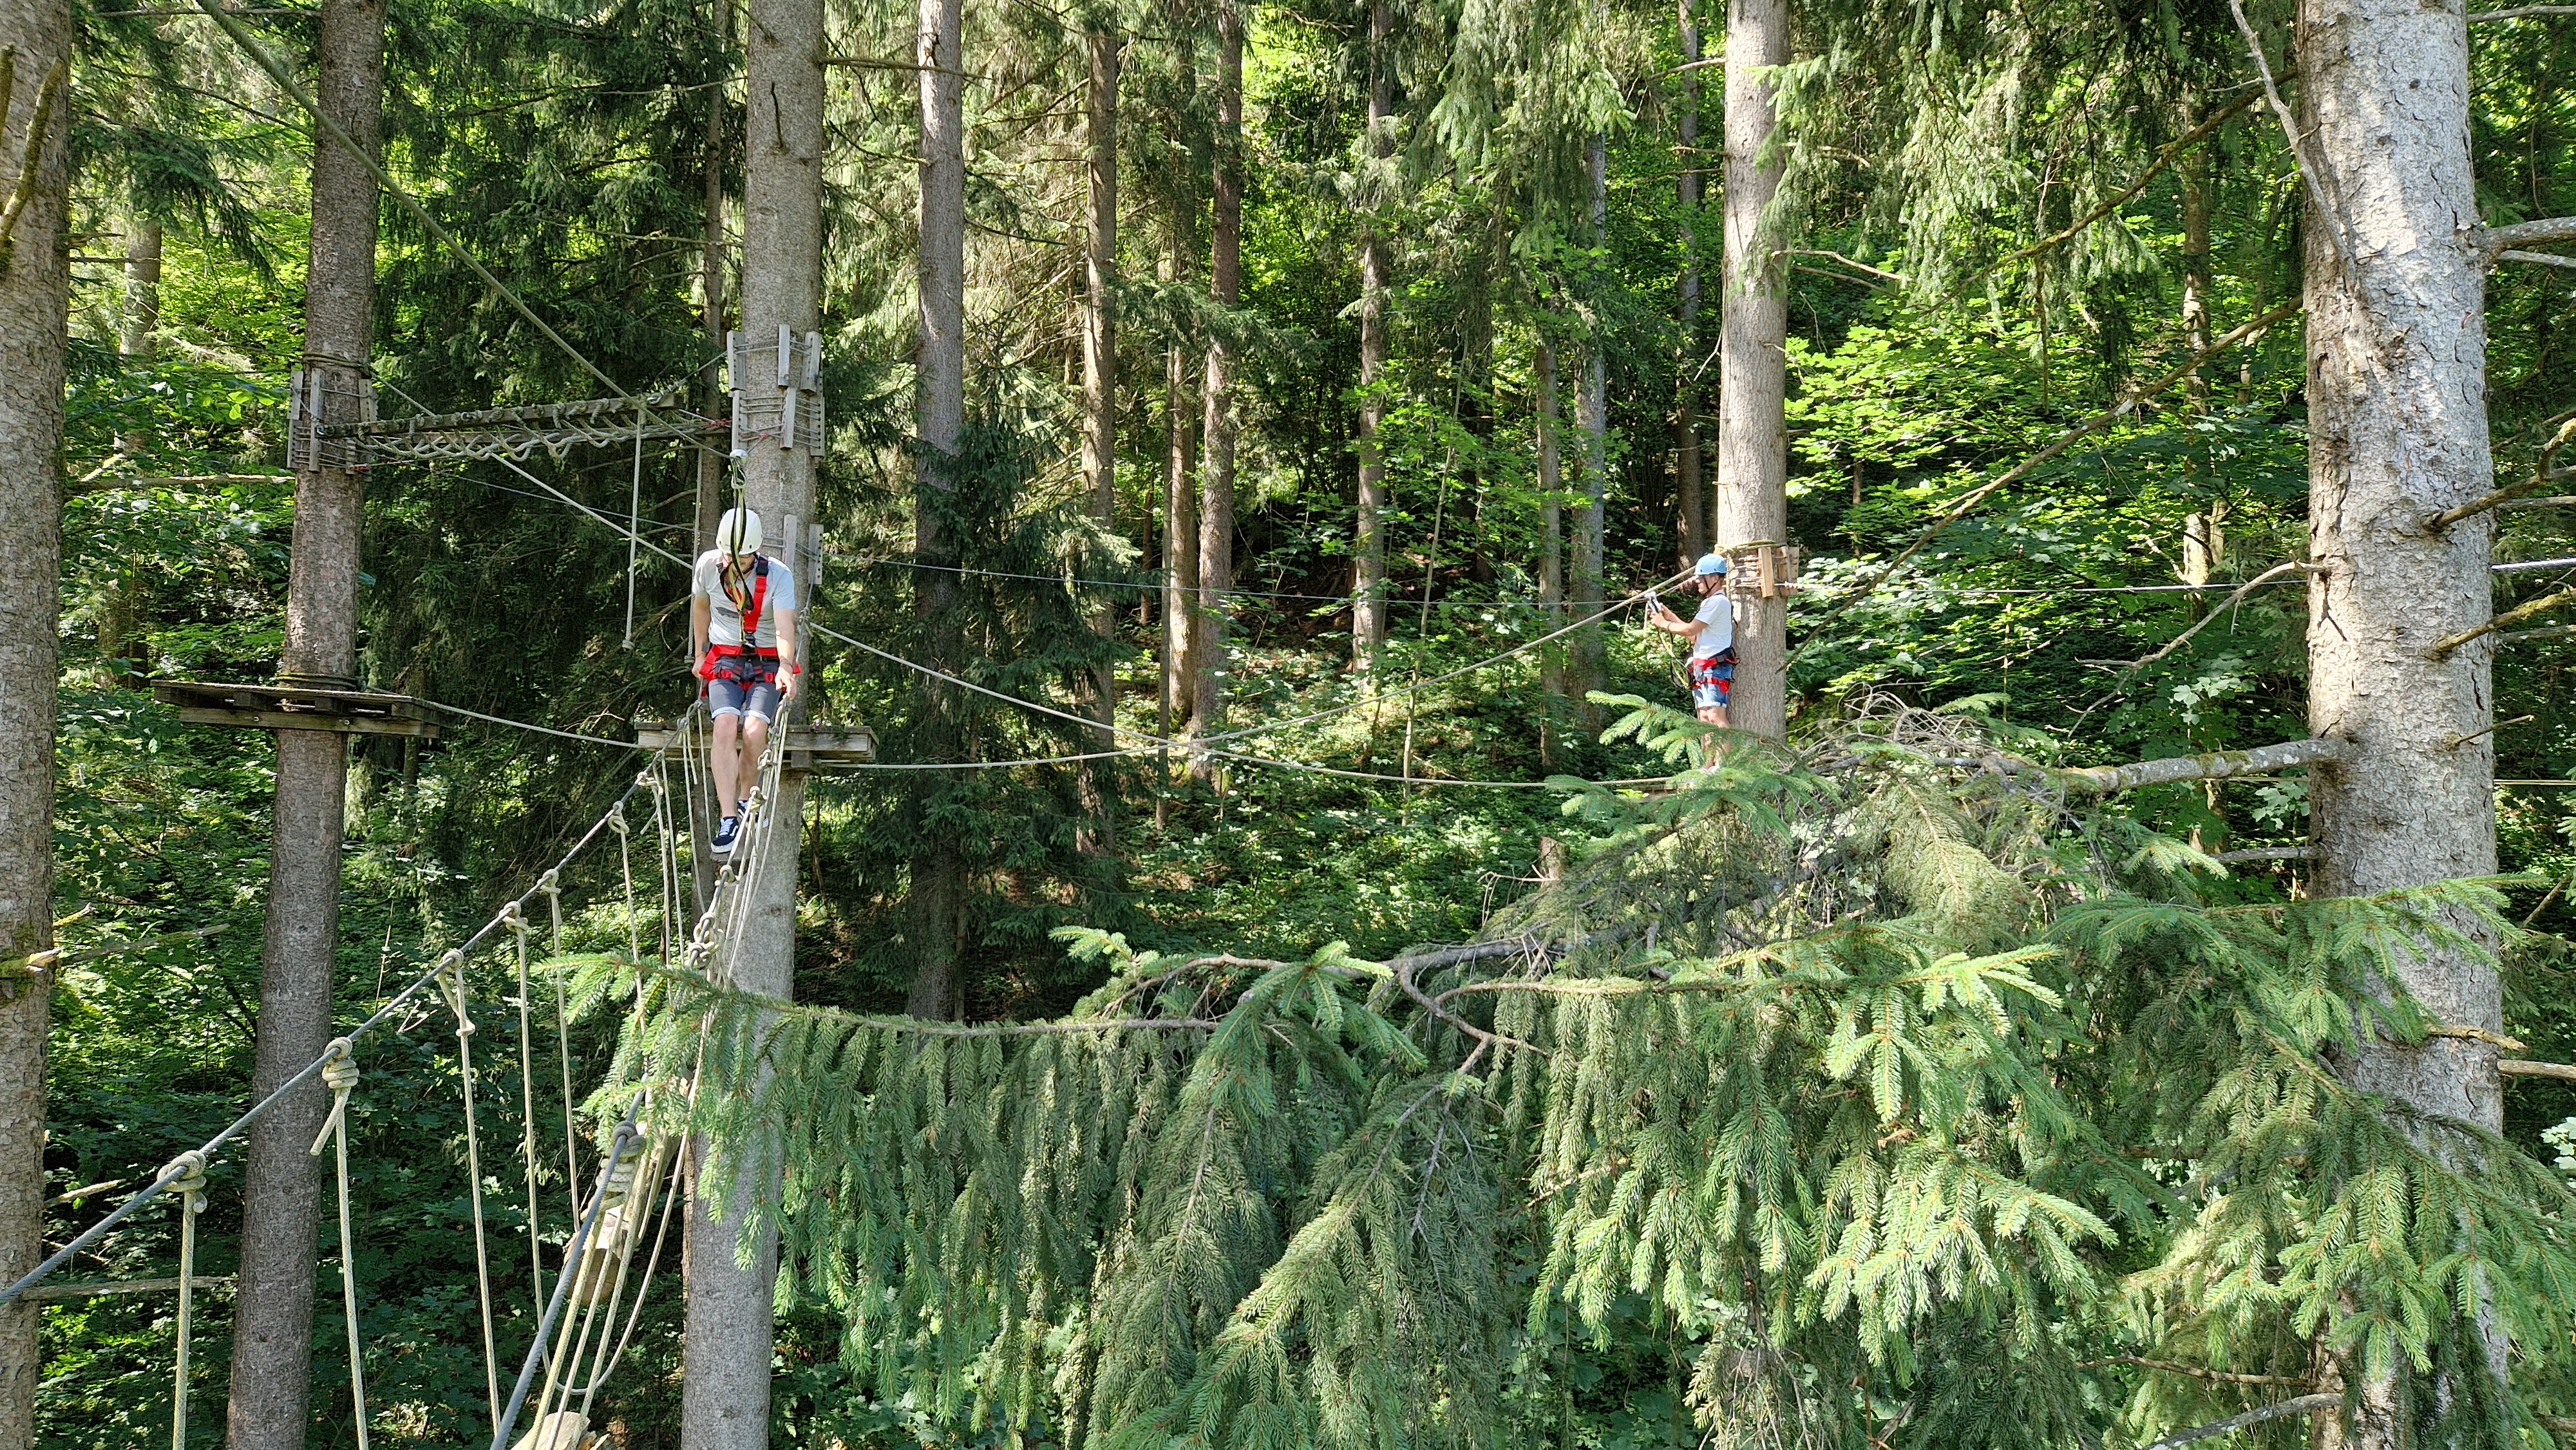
(451,983)
(340,1074)
(517,922)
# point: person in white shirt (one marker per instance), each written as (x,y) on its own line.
(742,631)
(1711,632)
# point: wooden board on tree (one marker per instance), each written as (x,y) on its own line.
(299,707)
(809,747)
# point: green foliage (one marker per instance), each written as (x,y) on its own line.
(1870,1075)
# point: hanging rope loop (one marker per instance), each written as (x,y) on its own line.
(339,1074)
(451,985)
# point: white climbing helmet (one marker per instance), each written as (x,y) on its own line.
(738,532)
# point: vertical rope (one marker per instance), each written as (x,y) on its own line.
(563,1038)
(634,521)
(452,982)
(626,870)
(191,1186)
(340,1074)
(518,924)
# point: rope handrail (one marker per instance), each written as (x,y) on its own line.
(176,1170)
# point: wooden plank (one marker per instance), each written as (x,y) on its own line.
(371,704)
(308,720)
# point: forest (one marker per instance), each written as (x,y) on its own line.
(1247,933)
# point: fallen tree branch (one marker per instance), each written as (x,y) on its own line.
(2095,424)
(2155,168)
(2441,648)
(2250,1417)
(2214,765)
(2523,1067)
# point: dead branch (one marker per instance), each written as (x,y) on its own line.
(2249,586)
(2266,853)
(2542,472)
(2547,258)
(2077,434)
(2223,1376)
(2214,765)
(2522,1067)
(2155,168)
(2290,131)
(2441,648)
(2555,631)
(2547,229)
(2524,12)
(2250,1417)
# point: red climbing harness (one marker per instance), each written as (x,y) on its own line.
(745,663)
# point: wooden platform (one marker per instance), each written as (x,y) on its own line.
(299,707)
(819,747)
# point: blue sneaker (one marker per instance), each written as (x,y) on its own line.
(726,830)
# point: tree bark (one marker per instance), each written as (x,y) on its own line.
(1182,421)
(1752,437)
(939,417)
(1551,554)
(1101,43)
(123,631)
(1368,532)
(730,1336)
(1216,475)
(1692,521)
(2201,539)
(1592,419)
(273,1300)
(2397,419)
(34,295)
(711,461)
(139,327)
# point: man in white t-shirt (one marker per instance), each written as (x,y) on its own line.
(1711,632)
(748,677)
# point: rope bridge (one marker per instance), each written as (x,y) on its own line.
(588,1317)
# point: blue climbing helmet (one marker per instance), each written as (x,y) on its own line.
(1710,564)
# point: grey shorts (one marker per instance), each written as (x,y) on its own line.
(759,700)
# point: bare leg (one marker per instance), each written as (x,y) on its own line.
(727,761)
(755,741)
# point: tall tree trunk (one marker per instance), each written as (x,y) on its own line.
(1216,476)
(139,326)
(1098,836)
(1752,436)
(34,293)
(273,1302)
(123,632)
(1182,419)
(1551,553)
(939,417)
(711,461)
(1592,420)
(1476,386)
(2201,541)
(731,1340)
(2397,430)
(1692,523)
(1368,531)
